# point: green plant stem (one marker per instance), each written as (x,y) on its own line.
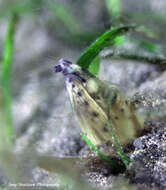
(125,159)
(112,162)
(103,41)
(95,66)
(6,80)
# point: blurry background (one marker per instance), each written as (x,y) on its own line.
(47,30)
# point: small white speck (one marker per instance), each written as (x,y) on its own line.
(92,86)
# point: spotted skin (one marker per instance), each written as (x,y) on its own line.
(96,103)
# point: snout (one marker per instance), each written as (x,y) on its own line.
(62,66)
(66,67)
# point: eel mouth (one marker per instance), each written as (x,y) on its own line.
(71,71)
(64,66)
